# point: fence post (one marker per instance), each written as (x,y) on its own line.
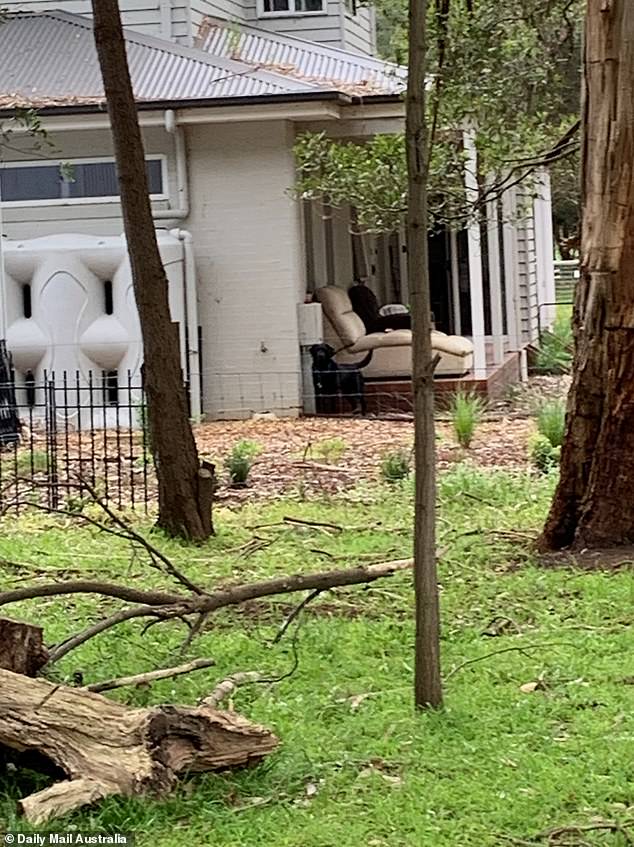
(51,444)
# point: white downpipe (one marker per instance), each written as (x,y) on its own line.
(191,312)
(182,182)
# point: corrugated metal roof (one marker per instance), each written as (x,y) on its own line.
(302,60)
(49,59)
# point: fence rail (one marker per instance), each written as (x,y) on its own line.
(71,430)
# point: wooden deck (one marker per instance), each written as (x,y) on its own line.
(384,397)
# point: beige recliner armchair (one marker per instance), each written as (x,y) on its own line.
(391,351)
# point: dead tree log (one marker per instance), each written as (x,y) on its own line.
(100,748)
(22,647)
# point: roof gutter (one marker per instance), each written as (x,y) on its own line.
(198,103)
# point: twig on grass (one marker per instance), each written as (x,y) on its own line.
(295,613)
(133,535)
(517,648)
(554,836)
(150,676)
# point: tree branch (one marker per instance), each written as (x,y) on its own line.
(150,676)
(105,589)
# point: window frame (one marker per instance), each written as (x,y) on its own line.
(81,201)
(290,13)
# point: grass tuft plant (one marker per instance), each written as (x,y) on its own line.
(240,461)
(330,450)
(551,421)
(555,350)
(396,465)
(542,454)
(466,412)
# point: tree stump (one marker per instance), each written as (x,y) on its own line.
(104,748)
(22,647)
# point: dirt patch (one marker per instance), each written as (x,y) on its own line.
(295,460)
(609,559)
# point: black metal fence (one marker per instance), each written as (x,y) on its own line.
(71,432)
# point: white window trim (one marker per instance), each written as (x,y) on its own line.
(80,201)
(291,13)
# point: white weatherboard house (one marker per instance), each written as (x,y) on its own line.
(224,88)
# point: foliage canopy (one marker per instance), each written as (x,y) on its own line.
(509,70)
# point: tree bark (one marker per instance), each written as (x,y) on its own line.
(593,504)
(183,507)
(22,647)
(427,685)
(98,748)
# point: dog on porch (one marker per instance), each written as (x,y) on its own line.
(334,382)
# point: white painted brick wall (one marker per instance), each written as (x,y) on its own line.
(247,238)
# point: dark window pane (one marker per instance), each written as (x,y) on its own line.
(86,179)
(277,5)
(309,5)
(30,183)
(155,176)
(96,179)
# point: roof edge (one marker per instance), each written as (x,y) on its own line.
(213,102)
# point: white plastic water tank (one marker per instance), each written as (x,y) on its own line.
(69,309)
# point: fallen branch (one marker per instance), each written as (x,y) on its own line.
(150,676)
(60,650)
(104,748)
(105,589)
(205,604)
(227,686)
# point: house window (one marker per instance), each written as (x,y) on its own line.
(291,7)
(76,181)
(351,7)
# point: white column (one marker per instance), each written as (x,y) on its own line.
(545,251)
(495,282)
(455,282)
(475,260)
(511,269)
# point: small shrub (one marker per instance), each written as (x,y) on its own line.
(330,450)
(240,461)
(544,455)
(551,421)
(466,413)
(555,350)
(29,462)
(396,465)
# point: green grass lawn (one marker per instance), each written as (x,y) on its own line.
(356,765)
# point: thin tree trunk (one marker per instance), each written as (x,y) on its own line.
(593,505)
(428,687)
(173,445)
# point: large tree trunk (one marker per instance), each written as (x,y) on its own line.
(594,504)
(428,688)
(97,748)
(184,493)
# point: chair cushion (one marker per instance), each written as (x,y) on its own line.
(365,304)
(390,338)
(338,309)
(455,345)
